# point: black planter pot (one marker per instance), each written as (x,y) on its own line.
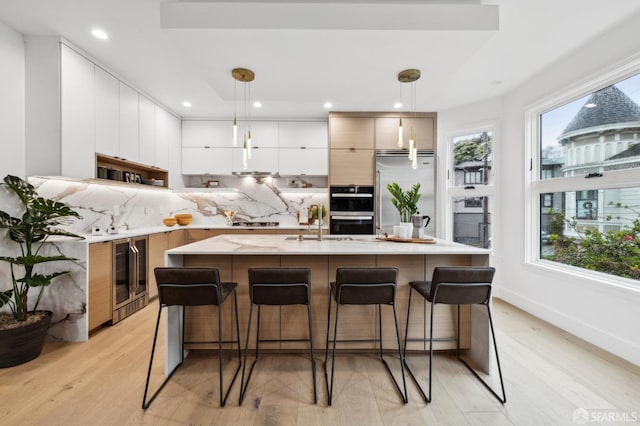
(21,344)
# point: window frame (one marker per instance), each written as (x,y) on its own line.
(534,186)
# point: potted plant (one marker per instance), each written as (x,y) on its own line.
(22,329)
(406,202)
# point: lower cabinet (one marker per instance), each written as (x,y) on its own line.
(100,283)
(158,244)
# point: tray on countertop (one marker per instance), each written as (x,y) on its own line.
(407,240)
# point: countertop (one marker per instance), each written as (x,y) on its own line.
(157,229)
(331,245)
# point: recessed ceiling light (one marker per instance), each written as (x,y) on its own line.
(397,105)
(590,105)
(186,104)
(328,104)
(99,34)
(257,104)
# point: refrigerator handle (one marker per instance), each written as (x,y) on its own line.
(378,214)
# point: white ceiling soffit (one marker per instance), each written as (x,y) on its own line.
(296,15)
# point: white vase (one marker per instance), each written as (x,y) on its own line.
(409,229)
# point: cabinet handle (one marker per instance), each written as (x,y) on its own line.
(352,149)
(207,147)
(303,147)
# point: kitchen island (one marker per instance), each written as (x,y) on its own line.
(235,254)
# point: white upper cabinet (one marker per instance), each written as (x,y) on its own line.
(200,161)
(202,134)
(163,137)
(303,148)
(308,134)
(287,147)
(147,129)
(303,161)
(264,134)
(77,105)
(262,160)
(107,89)
(129,129)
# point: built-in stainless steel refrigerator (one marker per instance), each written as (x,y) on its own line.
(394,166)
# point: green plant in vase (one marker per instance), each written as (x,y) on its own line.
(39,219)
(406,202)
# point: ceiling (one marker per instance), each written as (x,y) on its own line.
(297,70)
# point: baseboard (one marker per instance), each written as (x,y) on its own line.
(604,340)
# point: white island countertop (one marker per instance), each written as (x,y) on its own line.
(330,245)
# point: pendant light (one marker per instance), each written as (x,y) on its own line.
(243,75)
(235,113)
(400,130)
(410,76)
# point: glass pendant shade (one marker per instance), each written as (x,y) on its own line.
(244,155)
(249,144)
(412,145)
(235,131)
(400,140)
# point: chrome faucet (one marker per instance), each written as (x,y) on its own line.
(320,208)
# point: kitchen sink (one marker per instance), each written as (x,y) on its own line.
(310,237)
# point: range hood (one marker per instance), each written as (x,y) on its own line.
(257,174)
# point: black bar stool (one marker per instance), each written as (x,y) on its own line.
(363,286)
(193,287)
(455,285)
(278,287)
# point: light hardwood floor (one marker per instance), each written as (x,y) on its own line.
(549,375)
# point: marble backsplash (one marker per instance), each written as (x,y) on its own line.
(137,207)
(142,207)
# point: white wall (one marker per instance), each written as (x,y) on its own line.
(12,102)
(597,312)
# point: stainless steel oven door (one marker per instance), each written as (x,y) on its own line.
(351,224)
(351,199)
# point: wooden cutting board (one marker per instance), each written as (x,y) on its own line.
(408,240)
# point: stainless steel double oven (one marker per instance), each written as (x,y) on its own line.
(351,209)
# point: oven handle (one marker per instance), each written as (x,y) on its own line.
(351,217)
(339,195)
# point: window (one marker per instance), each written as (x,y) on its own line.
(587,205)
(587,145)
(473,177)
(471,188)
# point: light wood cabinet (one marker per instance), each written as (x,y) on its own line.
(351,167)
(424,131)
(347,132)
(351,156)
(158,244)
(100,283)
